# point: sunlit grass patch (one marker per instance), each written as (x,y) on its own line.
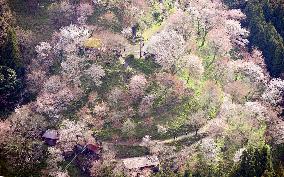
(93,43)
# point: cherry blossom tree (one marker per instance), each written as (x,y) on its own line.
(274,91)
(212,17)
(129,127)
(210,150)
(193,65)
(245,123)
(146,104)
(56,96)
(137,86)
(43,49)
(238,90)
(256,57)
(70,134)
(101,109)
(83,11)
(197,120)
(70,37)
(26,123)
(166,46)
(115,95)
(21,143)
(62,13)
(251,70)
(4,130)
(54,158)
(181,23)
(220,41)
(96,72)
(237,33)
(96,168)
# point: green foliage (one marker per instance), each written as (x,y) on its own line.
(255,162)
(56,67)
(265,20)
(6,19)
(131,151)
(11,67)
(115,24)
(186,141)
(8,79)
(10,87)
(34,18)
(13,159)
(151,31)
(73,170)
(147,66)
(10,53)
(74,107)
(107,133)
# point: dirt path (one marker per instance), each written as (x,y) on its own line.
(175,139)
(167,141)
(132,49)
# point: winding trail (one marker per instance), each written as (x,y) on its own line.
(175,139)
(167,141)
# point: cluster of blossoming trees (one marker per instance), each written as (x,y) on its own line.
(202,77)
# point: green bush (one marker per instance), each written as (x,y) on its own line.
(255,162)
(131,151)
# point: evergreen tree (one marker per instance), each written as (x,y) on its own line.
(10,87)
(10,53)
(11,69)
(264,35)
(6,20)
(255,162)
(265,20)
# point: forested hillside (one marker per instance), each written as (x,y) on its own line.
(265,20)
(157,88)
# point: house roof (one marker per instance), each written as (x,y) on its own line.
(93,147)
(140,162)
(50,134)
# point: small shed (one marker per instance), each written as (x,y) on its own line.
(88,149)
(50,137)
(139,163)
(94,148)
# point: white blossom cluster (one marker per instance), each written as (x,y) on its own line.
(209,15)
(127,32)
(43,49)
(237,33)
(167,46)
(101,109)
(137,85)
(84,10)
(71,133)
(236,14)
(274,92)
(96,72)
(54,158)
(219,40)
(115,95)
(256,108)
(54,103)
(55,96)
(70,37)
(251,70)
(53,84)
(146,104)
(193,64)
(210,150)
(238,155)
